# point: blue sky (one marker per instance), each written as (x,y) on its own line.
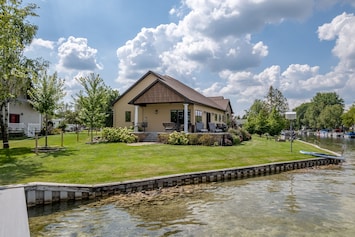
(234,48)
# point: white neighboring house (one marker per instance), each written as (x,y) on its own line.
(68,128)
(22,117)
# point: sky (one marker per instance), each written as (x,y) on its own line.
(231,48)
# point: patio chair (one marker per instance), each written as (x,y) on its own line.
(169,126)
(200,127)
(213,128)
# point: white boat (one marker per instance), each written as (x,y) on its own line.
(317,154)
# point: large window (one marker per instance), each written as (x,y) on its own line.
(128,116)
(198,116)
(177,116)
(14,118)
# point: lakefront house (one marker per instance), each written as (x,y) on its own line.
(160,103)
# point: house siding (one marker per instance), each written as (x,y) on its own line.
(27,115)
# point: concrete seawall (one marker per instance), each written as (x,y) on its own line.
(46,193)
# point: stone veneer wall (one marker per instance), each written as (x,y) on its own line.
(46,193)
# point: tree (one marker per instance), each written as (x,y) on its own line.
(112,96)
(301,120)
(257,118)
(92,101)
(45,95)
(276,122)
(348,118)
(330,117)
(318,104)
(15,34)
(275,100)
(266,116)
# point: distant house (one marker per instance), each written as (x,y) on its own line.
(23,118)
(157,103)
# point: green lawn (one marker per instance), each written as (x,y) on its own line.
(83,163)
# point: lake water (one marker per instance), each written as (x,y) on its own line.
(312,202)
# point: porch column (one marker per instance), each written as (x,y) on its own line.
(186,117)
(136,118)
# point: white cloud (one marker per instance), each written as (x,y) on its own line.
(342,77)
(76,54)
(299,82)
(211,35)
(38,42)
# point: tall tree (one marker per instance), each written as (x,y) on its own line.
(275,100)
(318,104)
(266,116)
(257,118)
(276,122)
(112,96)
(15,34)
(301,120)
(330,117)
(348,118)
(45,96)
(93,102)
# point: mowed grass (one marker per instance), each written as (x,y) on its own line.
(83,163)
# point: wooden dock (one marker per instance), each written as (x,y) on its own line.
(13,213)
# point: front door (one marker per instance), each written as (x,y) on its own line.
(208,120)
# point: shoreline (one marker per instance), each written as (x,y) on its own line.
(46,193)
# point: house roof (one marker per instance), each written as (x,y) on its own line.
(168,89)
(224,103)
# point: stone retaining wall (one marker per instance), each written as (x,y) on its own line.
(45,193)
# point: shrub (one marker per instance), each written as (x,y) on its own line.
(236,139)
(178,138)
(118,135)
(228,140)
(193,139)
(245,134)
(206,140)
(163,138)
(240,132)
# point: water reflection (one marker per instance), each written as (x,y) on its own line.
(312,202)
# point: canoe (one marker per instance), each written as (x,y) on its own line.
(322,155)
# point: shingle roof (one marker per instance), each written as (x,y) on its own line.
(188,93)
(224,103)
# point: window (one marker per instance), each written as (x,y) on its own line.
(198,116)
(128,116)
(177,116)
(14,118)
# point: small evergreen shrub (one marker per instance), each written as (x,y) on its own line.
(178,138)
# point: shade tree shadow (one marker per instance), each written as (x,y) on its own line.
(17,164)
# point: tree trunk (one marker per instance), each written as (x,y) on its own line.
(4,115)
(46,131)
